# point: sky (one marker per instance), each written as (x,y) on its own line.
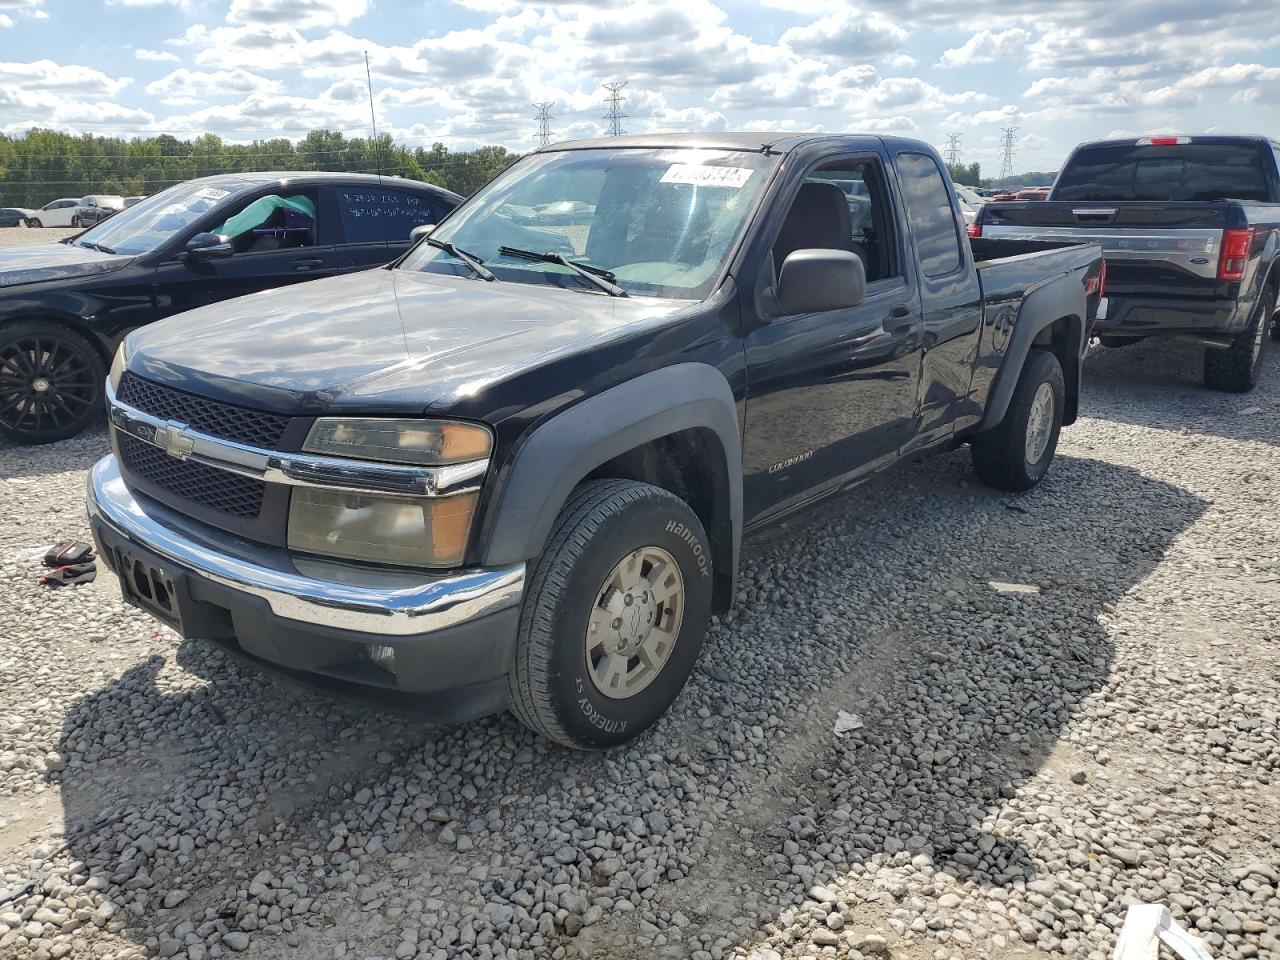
(466,72)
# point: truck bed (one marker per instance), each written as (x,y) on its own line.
(1006,268)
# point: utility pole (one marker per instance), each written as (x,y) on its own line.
(1006,168)
(953,149)
(544,118)
(614,102)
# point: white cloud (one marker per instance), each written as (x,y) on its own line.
(195,86)
(156,56)
(847,33)
(297,14)
(5,20)
(50,77)
(986,46)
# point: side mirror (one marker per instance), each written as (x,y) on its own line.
(417,233)
(812,281)
(210,246)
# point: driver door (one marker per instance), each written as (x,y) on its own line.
(276,245)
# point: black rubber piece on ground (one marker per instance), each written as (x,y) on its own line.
(1235,369)
(550,688)
(999,455)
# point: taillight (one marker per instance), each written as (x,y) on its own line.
(1235,253)
(1097,283)
(1162,141)
(974,229)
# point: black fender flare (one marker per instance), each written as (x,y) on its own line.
(1060,298)
(560,452)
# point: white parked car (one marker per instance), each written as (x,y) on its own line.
(57,213)
(970,202)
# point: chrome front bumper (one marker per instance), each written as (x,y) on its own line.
(308,591)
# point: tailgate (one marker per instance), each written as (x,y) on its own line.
(1152,249)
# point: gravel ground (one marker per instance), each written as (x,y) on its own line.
(21,236)
(1028,763)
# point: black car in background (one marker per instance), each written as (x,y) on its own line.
(64,307)
(95,208)
(13,216)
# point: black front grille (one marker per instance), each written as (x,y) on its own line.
(208,416)
(210,487)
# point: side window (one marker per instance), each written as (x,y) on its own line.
(929,212)
(440,208)
(842,206)
(378,215)
(274,222)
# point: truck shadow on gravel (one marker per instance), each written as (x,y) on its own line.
(1160,384)
(78,453)
(185,782)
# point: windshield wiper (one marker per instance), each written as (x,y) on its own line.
(600,278)
(101,248)
(475,263)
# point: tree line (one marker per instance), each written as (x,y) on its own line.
(43,165)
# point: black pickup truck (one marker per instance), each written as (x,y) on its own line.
(1190,227)
(514,468)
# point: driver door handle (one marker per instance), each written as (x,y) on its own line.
(309,263)
(900,320)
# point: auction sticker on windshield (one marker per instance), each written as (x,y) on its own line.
(700,176)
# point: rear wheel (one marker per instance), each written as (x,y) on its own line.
(51,382)
(615,615)
(1235,369)
(1275,323)
(1016,454)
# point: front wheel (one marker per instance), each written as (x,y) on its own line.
(1016,454)
(615,615)
(1236,369)
(51,382)
(35,222)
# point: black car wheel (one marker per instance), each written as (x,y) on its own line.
(614,617)
(35,222)
(51,383)
(1016,454)
(1236,369)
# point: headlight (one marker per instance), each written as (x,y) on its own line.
(117,368)
(408,531)
(421,442)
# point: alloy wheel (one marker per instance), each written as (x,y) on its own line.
(635,622)
(46,385)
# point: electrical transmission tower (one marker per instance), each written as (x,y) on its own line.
(544,118)
(953,149)
(1007,141)
(614,102)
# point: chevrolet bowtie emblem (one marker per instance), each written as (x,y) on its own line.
(175,440)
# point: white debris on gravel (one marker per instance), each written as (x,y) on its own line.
(1027,770)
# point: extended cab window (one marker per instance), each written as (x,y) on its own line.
(842,206)
(933,222)
(1164,172)
(379,215)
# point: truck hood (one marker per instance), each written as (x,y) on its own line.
(37,262)
(385,341)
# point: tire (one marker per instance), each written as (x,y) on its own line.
(1275,324)
(1002,456)
(51,382)
(1235,369)
(554,684)
(36,222)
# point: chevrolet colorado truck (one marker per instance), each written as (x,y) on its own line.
(514,468)
(1190,228)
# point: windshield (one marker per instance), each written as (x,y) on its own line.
(150,222)
(1191,171)
(660,223)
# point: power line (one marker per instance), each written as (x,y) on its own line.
(953,149)
(544,118)
(1007,141)
(614,102)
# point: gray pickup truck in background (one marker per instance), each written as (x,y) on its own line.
(1190,228)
